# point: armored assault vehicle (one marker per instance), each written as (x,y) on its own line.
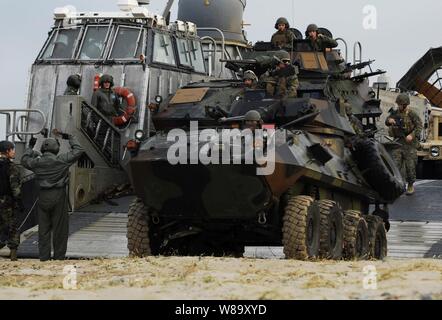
(328,192)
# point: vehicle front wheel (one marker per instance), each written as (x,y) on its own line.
(301,228)
(138,241)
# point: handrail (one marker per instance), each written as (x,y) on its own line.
(223,42)
(346,48)
(212,60)
(355,61)
(12,126)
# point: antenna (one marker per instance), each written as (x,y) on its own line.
(166,12)
(293,14)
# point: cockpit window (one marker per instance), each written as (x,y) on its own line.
(61,44)
(196,56)
(163,50)
(183,51)
(94,43)
(128,43)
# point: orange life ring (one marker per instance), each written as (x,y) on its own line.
(130,108)
(97,82)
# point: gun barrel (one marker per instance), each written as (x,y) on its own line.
(244,61)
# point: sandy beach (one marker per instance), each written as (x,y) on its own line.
(201,278)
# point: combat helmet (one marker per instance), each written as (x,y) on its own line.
(252,115)
(311,27)
(250,75)
(74,81)
(283,55)
(106,78)
(50,145)
(5,146)
(282,20)
(403,99)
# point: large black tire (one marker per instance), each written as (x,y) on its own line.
(378,168)
(377,237)
(331,229)
(138,241)
(356,242)
(300,231)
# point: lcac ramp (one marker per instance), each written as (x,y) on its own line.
(416,79)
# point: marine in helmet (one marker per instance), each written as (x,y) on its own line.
(283,38)
(73,85)
(406,127)
(282,81)
(354,121)
(250,79)
(52,172)
(105,99)
(252,120)
(10,198)
(318,41)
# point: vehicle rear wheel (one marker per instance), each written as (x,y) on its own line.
(377,237)
(356,244)
(138,241)
(300,231)
(331,230)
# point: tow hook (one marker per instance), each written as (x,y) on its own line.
(155,219)
(262,218)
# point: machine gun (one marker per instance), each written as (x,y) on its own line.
(359,66)
(399,129)
(259,65)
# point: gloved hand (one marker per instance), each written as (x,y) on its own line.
(65,136)
(32,142)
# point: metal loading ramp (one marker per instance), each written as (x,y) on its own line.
(97,231)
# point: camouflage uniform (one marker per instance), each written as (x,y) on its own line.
(281,86)
(356,124)
(52,172)
(284,39)
(10,197)
(405,154)
(322,42)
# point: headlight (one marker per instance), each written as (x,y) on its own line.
(435,152)
(139,135)
(158,99)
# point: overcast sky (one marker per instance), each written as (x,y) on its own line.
(405,31)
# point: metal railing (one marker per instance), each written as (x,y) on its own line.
(102,134)
(357,59)
(16,123)
(345,47)
(211,57)
(223,43)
